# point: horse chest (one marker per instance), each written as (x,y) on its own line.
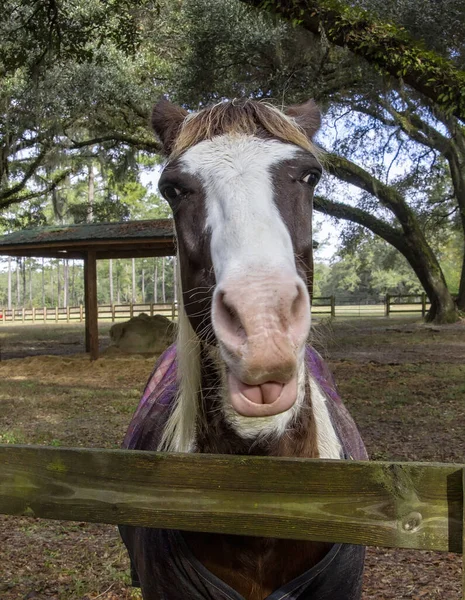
(254,567)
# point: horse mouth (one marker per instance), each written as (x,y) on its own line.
(264,400)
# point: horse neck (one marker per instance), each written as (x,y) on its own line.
(215,435)
(253,566)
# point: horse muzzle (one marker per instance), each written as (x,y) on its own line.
(261,328)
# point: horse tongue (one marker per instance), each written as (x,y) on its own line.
(266,393)
(263,400)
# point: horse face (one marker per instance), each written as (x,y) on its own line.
(242,209)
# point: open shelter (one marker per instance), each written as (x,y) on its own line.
(91,242)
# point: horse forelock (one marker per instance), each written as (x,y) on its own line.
(240,117)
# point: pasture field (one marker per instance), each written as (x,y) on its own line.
(403,381)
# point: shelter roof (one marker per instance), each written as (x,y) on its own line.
(108,240)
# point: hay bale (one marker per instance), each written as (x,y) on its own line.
(143,334)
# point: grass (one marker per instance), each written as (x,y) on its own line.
(66,401)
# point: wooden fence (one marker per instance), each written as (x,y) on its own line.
(72,314)
(389,504)
(407,303)
(321,305)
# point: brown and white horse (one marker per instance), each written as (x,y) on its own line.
(240,179)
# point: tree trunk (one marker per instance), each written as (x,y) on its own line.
(110,275)
(155,282)
(72,293)
(58,283)
(428,271)
(52,286)
(90,194)
(23,277)
(18,282)
(175,279)
(9,283)
(65,283)
(420,255)
(413,247)
(43,281)
(133,280)
(456,160)
(163,291)
(118,283)
(30,282)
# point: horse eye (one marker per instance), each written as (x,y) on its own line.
(311,179)
(170,193)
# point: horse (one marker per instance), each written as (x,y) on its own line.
(241,378)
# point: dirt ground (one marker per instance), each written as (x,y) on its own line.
(403,381)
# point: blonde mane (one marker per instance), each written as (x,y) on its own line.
(247,117)
(180,429)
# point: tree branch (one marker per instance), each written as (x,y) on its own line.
(385,45)
(7,193)
(5,203)
(142,144)
(356,215)
(350,172)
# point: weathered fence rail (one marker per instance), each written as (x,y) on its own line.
(390,504)
(321,305)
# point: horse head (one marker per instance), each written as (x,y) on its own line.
(240,179)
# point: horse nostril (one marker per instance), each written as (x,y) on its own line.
(229,316)
(299,304)
(233,317)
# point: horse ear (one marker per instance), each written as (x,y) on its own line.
(166,122)
(307,116)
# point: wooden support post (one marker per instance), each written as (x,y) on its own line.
(173,311)
(388,304)
(423,305)
(113,313)
(80,313)
(33,314)
(131,310)
(90,305)
(151,309)
(56,314)
(67,314)
(22,314)
(45,314)
(333,305)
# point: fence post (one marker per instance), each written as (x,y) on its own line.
(131,310)
(113,313)
(56,314)
(80,313)
(173,311)
(388,304)
(423,304)
(33,314)
(333,305)
(45,314)
(151,309)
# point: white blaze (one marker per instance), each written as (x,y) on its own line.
(246,227)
